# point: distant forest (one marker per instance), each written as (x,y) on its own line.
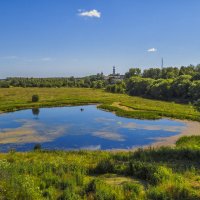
(170,83)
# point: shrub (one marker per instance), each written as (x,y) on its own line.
(172,191)
(35,98)
(105,166)
(49,193)
(149,172)
(22,187)
(168,154)
(79,179)
(98,190)
(69,195)
(133,191)
(37,147)
(69,183)
(50,179)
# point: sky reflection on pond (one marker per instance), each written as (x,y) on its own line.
(76,128)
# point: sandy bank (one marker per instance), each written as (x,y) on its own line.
(192,128)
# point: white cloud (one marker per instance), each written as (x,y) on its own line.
(152,50)
(91,13)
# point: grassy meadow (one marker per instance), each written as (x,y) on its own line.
(165,173)
(12,99)
(150,174)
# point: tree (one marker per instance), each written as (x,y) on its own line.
(37,147)
(4,84)
(170,72)
(35,98)
(189,70)
(154,73)
(180,86)
(161,89)
(119,87)
(194,90)
(196,76)
(133,72)
(197,69)
(138,85)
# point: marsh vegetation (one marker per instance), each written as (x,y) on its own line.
(153,174)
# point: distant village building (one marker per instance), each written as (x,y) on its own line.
(114,77)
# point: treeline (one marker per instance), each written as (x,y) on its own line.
(167,84)
(166,73)
(87,82)
(181,87)
(170,83)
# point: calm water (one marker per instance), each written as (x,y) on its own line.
(71,128)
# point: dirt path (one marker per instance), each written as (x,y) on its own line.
(118,105)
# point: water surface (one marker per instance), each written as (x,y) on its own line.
(66,128)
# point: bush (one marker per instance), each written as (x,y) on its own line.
(49,193)
(35,98)
(105,166)
(50,179)
(182,153)
(133,191)
(98,190)
(69,195)
(37,147)
(172,191)
(22,187)
(149,172)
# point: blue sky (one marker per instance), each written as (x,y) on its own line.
(41,38)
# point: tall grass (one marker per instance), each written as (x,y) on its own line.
(163,173)
(192,142)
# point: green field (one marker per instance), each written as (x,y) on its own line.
(151,174)
(12,99)
(164,173)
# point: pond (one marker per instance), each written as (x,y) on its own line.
(79,127)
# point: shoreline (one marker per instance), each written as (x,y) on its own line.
(192,128)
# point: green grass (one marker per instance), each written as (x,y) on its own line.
(12,99)
(164,173)
(147,174)
(192,142)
